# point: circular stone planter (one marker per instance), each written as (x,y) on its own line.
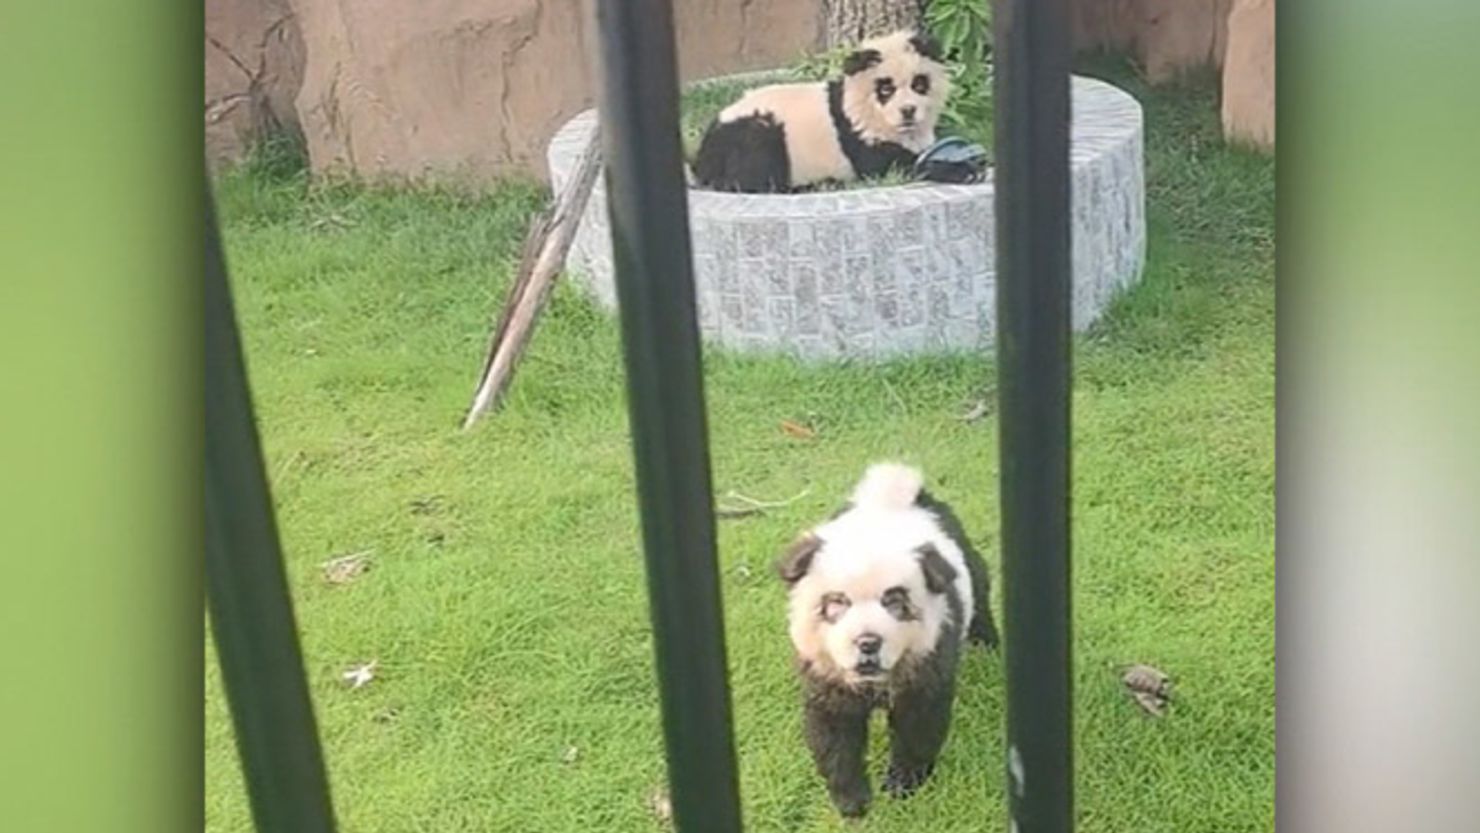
(874,273)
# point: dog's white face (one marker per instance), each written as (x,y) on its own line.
(864,599)
(894,89)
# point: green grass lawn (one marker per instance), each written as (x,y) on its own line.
(506,602)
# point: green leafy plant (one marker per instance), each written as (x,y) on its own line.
(964,29)
(821,66)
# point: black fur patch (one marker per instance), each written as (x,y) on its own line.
(861,60)
(835,719)
(868,158)
(884,90)
(982,630)
(940,576)
(797,559)
(926,44)
(747,155)
(896,600)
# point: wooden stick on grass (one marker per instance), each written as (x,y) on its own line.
(545,249)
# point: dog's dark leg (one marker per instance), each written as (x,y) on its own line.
(983,630)
(837,733)
(919,719)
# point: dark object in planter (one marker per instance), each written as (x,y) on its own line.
(952,160)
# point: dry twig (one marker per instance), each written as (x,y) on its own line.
(544,256)
(751,506)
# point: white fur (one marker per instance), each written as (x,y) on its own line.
(865,551)
(888,486)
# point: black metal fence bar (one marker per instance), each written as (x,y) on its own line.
(655,290)
(1033,248)
(256,641)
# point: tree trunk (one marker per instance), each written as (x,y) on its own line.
(850,21)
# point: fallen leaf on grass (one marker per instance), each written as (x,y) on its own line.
(979,410)
(798,430)
(1150,687)
(426,505)
(360,675)
(1150,703)
(740,506)
(346,568)
(660,804)
(331,221)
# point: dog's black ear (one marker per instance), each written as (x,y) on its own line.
(938,571)
(797,560)
(861,60)
(926,44)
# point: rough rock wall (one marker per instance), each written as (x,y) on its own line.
(1165,36)
(254,66)
(1168,37)
(1248,73)
(473,89)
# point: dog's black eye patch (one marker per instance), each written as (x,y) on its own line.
(896,600)
(921,84)
(833,606)
(884,89)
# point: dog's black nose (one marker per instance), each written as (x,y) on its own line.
(908,111)
(869,644)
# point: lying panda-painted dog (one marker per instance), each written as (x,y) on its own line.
(884,597)
(877,117)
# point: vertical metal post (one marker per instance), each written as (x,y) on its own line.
(252,616)
(648,207)
(1033,297)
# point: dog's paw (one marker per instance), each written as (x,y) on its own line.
(984,633)
(852,808)
(853,805)
(902,782)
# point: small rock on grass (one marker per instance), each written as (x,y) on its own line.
(979,410)
(346,568)
(796,429)
(659,803)
(360,675)
(1149,687)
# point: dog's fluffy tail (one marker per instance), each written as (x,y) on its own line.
(888,486)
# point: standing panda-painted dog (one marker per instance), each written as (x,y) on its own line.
(884,597)
(877,117)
